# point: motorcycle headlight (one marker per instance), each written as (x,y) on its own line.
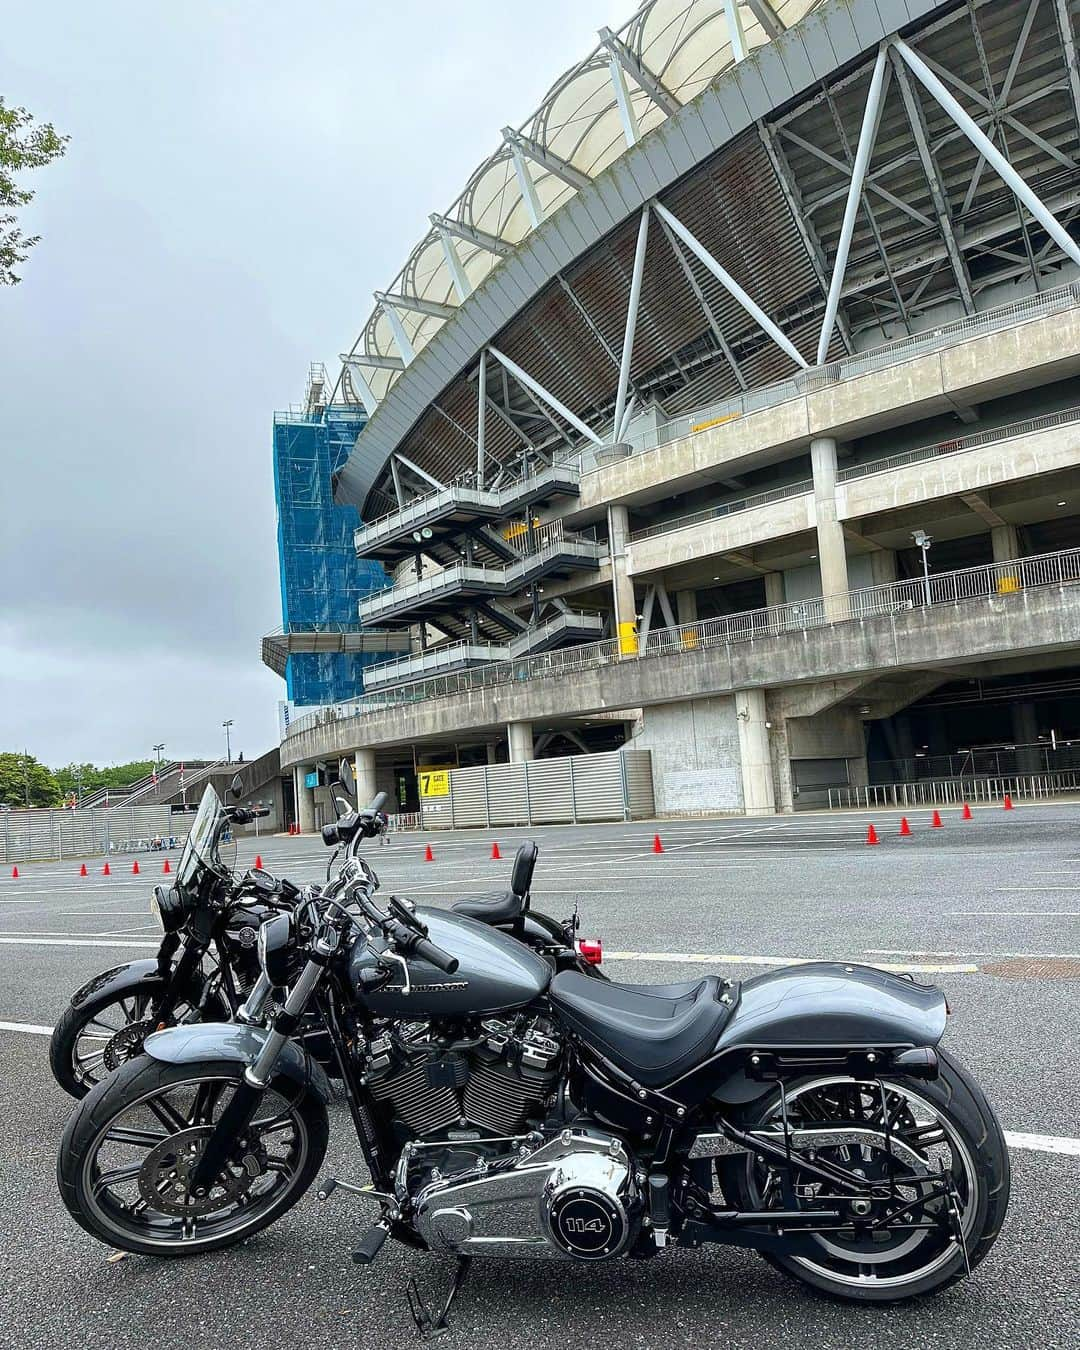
(167,906)
(275,937)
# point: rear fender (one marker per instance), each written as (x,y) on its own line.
(239,1044)
(820,1009)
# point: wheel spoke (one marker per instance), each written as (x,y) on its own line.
(116,1177)
(121,1134)
(202,1108)
(168,1115)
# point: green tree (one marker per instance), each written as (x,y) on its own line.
(93,777)
(22,146)
(25,782)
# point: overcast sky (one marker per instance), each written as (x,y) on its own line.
(240,178)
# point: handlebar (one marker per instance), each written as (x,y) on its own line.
(435,956)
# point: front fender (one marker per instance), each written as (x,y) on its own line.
(130,977)
(200,1041)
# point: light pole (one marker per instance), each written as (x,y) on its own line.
(923,542)
(157,757)
(228,743)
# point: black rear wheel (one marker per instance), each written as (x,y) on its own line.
(936,1156)
(129,1149)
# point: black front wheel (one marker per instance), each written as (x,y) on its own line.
(96,1036)
(130,1147)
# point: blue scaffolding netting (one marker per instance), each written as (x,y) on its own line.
(322,580)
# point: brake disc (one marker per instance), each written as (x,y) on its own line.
(127,1043)
(165,1176)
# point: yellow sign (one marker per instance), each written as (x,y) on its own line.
(434,782)
(628,639)
(1008,585)
(714,422)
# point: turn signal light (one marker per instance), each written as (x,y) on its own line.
(590,950)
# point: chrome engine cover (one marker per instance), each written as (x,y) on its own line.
(574,1197)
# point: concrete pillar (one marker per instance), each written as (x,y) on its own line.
(883,566)
(520,737)
(305,800)
(1026,734)
(780,754)
(832,555)
(774,589)
(365,777)
(621,584)
(1005,543)
(686,606)
(492,752)
(754,756)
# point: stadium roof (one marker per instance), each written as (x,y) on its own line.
(742,118)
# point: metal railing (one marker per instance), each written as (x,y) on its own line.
(851,367)
(460,574)
(725,509)
(990,581)
(938,450)
(453,494)
(954,791)
(957,445)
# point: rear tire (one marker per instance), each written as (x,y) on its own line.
(962,1106)
(120,1104)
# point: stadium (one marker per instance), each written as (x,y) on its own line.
(718,448)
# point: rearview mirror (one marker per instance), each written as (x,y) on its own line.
(346,776)
(236,787)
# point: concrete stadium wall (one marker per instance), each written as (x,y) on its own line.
(696,757)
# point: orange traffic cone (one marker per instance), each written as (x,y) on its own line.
(83,872)
(935,821)
(905,828)
(14,874)
(428,855)
(1008,806)
(135,868)
(258,861)
(965,814)
(871,835)
(495,850)
(657,846)
(105,872)
(166,869)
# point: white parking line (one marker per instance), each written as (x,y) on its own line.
(75,942)
(711,958)
(31,1028)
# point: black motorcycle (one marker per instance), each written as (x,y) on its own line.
(207,966)
(506,1110)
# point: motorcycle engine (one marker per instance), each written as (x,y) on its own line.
(493,1084)
(573,1196)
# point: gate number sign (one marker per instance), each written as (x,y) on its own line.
(434,782)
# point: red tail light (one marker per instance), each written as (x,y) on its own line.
(590,950)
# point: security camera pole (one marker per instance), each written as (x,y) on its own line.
(923,542)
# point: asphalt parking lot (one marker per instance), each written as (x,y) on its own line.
(989,909)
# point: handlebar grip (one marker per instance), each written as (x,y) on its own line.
(378,802)
(435,956)
(260,811)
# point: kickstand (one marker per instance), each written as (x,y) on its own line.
(429,1327)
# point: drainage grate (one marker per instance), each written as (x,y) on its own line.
(1035,968)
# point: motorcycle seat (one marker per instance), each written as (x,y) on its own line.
(654,1033)
(499,908)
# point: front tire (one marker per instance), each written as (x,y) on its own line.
(131,1142)
(96,1036)
(968,1146)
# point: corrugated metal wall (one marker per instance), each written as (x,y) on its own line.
(616,786)
(26,835)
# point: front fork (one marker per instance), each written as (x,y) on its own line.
(242,1106)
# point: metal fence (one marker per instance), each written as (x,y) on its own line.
(861,363)
(950,791)
(26,836)
(999,762)
(970,583)
(614,786)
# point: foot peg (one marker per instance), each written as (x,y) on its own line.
(371,1244)
(327,1187)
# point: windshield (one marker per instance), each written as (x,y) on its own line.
(202,846)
